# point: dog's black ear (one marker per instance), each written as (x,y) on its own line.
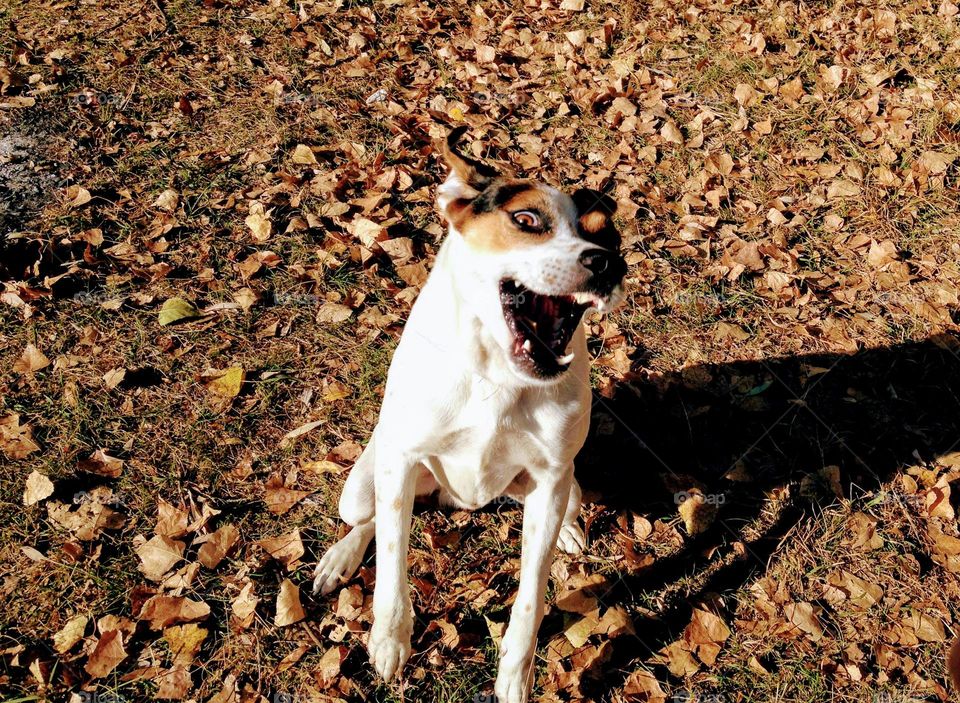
(595,218)
(472,173)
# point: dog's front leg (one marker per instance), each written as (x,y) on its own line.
(389,643)
(543,511)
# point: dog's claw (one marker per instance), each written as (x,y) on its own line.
(388,652)
(340,562)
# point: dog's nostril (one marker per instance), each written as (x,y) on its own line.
(597,261)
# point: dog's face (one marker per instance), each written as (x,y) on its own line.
(538,259)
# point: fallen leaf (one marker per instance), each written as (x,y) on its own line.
(184,642)
(300,431)
(162,611)
(77,196)
(286,549)
(16,440)
(280,498)
(173,684)
(107,654)
(243,608)
(259,222)
(38,488)
(217,546)
(705,635)
(643,687)
(70,634)
(804,617)
(101,464)
(289,609)
(31,360)
(171,521)
(177,309)
(167,200)
(158,555)
(302,154)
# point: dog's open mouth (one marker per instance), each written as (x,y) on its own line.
(542,326)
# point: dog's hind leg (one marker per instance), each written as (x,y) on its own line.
(571,539)
(357,506)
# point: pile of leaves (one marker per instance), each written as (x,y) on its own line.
(216,216)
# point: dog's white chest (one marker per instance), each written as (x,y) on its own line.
(488,440)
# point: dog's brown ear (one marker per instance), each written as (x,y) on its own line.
(475,174)
(595,218)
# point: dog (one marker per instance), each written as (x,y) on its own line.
(488,394)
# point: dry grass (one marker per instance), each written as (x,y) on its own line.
(787,175)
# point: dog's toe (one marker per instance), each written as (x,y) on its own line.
(571,539)
(388,653)
(339,563)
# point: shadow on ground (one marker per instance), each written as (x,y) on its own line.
(774,422)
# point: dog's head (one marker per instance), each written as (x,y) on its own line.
(538,258)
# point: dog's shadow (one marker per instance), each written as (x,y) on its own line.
(738,430)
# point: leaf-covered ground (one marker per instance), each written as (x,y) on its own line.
(215,216)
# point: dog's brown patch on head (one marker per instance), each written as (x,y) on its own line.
(488,222)
(595,218)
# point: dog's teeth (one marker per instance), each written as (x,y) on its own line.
(527,345)
(565,360)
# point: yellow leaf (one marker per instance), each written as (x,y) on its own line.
(177,309)
(228,385)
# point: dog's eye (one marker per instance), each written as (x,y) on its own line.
(527,219)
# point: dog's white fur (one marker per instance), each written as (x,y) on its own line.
(460,416)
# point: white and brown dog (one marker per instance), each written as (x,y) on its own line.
(488,395)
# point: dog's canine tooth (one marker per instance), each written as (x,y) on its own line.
(527,345)
(565,360)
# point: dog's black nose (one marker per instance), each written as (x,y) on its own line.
(608,268)
(596,261)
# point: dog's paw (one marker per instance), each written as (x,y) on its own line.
(339,563)
(571,539)
(514,679)
(389,648)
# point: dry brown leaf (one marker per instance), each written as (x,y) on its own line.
(705,635)
(289,609)
(328,669)
(243,608)
(171,521)
(38,487)
(162,611)
(70,634)
(679,660)
(218,545)
(803,616)
(167,200)
(107,654)
(286,549)
(31,360)
(173,684)
(101,464)
(280,498)
(158,555)
(259,222)
(642,686)
(16,440)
